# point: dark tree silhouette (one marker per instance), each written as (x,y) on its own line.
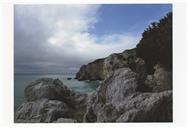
(156,44)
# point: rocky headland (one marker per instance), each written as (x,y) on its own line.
(136,86)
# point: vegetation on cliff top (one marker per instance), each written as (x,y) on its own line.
(156,44)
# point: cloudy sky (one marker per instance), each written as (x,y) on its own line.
(61,38)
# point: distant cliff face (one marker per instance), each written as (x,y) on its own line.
(100,68)
(92,71)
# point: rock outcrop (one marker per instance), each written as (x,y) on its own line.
(49,99)
(46,88)
(117,100)
(119,60)
(147,107)
(161,79)
(42,110)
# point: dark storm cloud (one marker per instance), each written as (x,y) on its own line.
(31,52)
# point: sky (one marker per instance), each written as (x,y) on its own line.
(61,38)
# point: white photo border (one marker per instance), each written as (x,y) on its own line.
(180,96)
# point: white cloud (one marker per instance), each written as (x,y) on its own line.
(68,32)
(71,35)
(90,47)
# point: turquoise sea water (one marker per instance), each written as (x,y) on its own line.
(22,80)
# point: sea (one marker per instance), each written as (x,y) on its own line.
(22,80)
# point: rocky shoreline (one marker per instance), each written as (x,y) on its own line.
(136,87)
(127,94)
(49,100)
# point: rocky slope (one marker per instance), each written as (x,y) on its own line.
(118,100)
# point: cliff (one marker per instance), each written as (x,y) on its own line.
(99,69)
(137,83)
(155,47)
(92,71)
